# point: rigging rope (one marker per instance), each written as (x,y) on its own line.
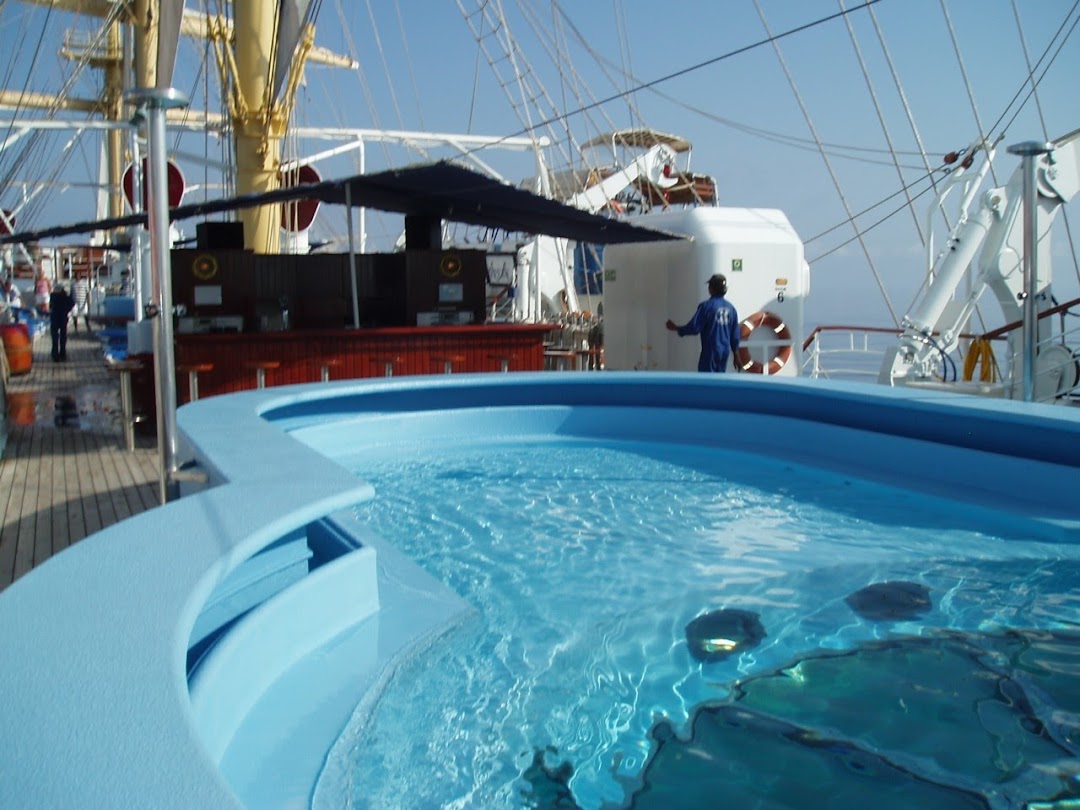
(361,77)
(600,103)
(967,83)
(33,148)
(825,157)
(880,116)
(476,80)
(409,64)
(529,91)
(560,56)
(1042,122)
(385,65)
(564,138)
(559,37)
(904,102)
(624,57)
(792,141)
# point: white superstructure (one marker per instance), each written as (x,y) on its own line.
(645,284)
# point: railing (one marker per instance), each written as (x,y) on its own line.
(846,352)
(857,352)
(577,343)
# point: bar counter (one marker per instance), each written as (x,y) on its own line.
(304,356)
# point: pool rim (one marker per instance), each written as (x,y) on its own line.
(86,652)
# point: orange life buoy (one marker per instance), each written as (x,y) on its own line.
(18,347)
(779,329)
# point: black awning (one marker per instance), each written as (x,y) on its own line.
(451,192)
(444,190)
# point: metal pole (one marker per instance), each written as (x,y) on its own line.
(363,211)
(156,102)
(352,258)
(135,259)
(1030,151)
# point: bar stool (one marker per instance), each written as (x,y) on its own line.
(125,368)
(261,367)
(590,359)
(387,362)
(325,364)
(504,360)
(448,361)
(557,359)
(193,370)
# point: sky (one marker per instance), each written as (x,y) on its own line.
(752,110)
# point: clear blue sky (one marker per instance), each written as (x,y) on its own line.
(420,69)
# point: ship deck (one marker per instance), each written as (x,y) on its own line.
(65,473)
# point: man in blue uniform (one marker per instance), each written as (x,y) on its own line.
(717,323)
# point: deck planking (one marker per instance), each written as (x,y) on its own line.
(65,474)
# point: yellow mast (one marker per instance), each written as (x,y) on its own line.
(258,129)
(243,49)
(113,100)
(259,120)
(143,13)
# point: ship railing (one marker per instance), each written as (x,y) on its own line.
(1057,377)
(856,353)
(846,352)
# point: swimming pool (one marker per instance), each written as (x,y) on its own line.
(586,564)
(114,620)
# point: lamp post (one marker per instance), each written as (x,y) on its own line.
(1030,151)
(154,102)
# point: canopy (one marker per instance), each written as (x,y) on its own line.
(444,190)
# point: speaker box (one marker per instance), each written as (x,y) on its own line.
(219,235)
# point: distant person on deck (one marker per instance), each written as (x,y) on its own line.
(126,285)
(718,324)
(11,296)
(60,306)
(80,291)
(9,300)
(42,291)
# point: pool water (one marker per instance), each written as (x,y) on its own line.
(573,685)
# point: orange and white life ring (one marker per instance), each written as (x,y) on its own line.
(781,332)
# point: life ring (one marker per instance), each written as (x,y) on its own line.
(782,333)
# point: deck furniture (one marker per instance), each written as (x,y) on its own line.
(193,370)
(125,368)
(261,367)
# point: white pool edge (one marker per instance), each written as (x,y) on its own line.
(95,639)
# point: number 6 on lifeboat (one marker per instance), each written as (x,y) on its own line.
(779,342)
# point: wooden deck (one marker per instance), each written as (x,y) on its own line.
(65,473)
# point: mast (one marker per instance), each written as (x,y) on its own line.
(113,101)
(266,56)
(259,127)
(260,54)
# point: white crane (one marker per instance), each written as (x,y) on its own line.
(933,326)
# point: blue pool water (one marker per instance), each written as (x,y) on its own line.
(586,560)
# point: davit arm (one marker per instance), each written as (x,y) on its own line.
(651,165)
(933,325)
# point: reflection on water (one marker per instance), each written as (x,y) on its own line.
(91,407)
(949,720)
(876,669)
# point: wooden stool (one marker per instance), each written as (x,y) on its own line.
(504,360)
(448,361)
(325,364)
(387,363)
(261,367)
(193,370)
(127,400)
